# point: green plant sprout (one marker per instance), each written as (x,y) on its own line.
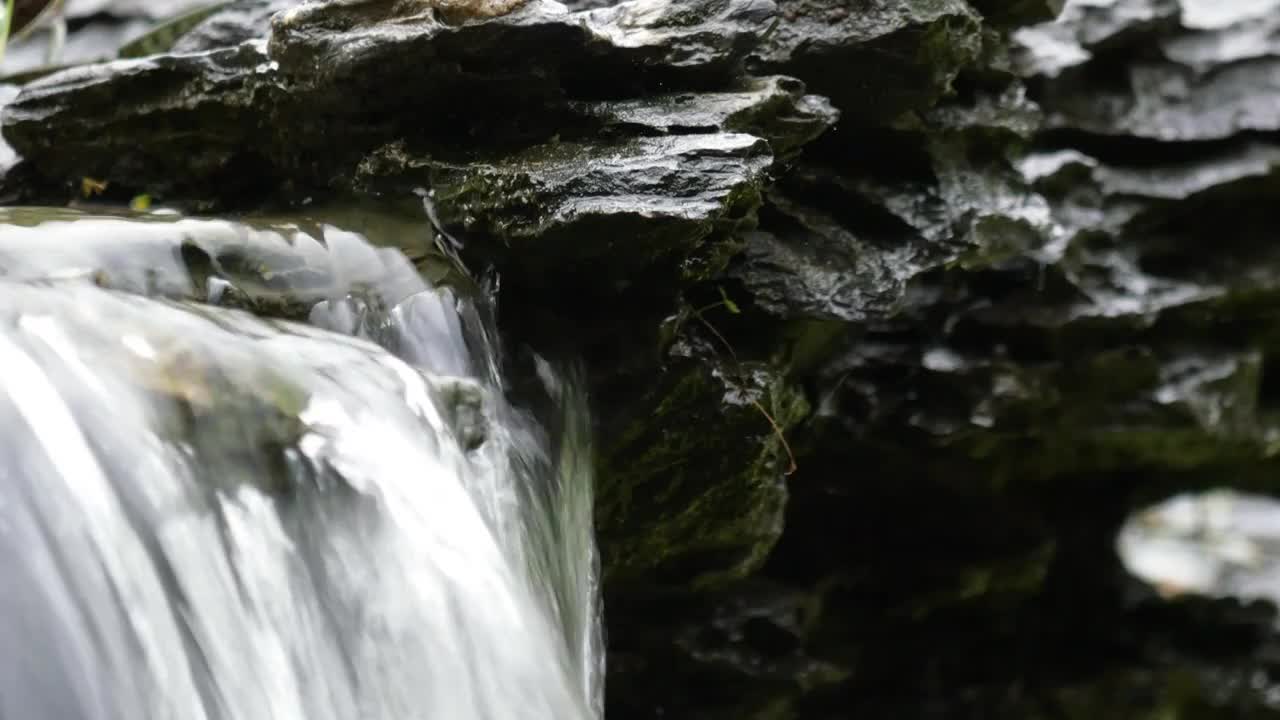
(733,308)
(4,28)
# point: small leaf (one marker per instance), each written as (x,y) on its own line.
(140,203)
(90,186)
(729,305)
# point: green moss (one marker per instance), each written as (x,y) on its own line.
(1152,694)
(1021,573)
(710,470)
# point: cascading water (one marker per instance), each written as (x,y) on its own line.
(209,514)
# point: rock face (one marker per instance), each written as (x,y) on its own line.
(892,311)
(893,56)
(1191,82)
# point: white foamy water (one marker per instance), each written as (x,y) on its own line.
(206,514)
(1219,543)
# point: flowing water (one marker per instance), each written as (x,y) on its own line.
(324,508)
(1219,543)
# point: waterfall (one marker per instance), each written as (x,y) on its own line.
(326,508)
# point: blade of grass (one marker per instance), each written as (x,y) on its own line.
(4,28)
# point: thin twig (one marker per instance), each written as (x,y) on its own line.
(719,337)
(777,429)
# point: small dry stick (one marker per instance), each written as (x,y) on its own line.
(777,429)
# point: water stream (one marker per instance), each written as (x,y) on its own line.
(266,470)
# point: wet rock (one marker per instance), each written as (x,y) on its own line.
(812,266)
(877,61)
(752,629)
(463,401)
(682,508)
(1167,279)
(861,215)
(819,274)
(270,109)
(845,248)
(73,123)
(644,41)
(610,209)
(1169,102)
(1180,82)
(1117,198)
(1085,29)
(677,172)
(1009,355)
(1158,408)
(775,108)
(989,112)
(708,38)
(1119,24)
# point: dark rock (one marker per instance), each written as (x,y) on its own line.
(810,265)
(1095,196)
(1179,83)
(1084,30)
(1006,111)
(876,61)
(276,121)
(683,508)
(992,397)
(464,402)
(677,196)
(1124,23)
(1166,101)
(752,629)
(705,38)
(385,45)
(609,210)
(775,108)
(819,274)
(1015,13)
(848,250)
(73,123)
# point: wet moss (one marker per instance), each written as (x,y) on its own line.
(700,507)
